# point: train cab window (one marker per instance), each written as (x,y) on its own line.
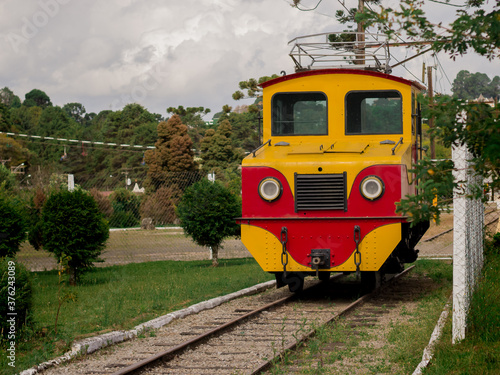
(374,112)
(303,113)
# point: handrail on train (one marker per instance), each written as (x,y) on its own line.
(262,145)
(352,50)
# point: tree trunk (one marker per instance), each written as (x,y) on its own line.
(215,256)
(72,276)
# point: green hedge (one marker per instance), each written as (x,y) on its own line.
(12,228)
(15,298)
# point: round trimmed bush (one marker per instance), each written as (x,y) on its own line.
(207,212)
(74,226)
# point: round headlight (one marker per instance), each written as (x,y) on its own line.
(372,187)
(270,189)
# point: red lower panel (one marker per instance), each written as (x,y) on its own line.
(305,235)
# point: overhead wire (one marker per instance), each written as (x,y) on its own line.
(89,144)
(442,70)
(447,3)
(402,40)
(78,146)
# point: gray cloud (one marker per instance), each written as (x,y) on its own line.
(158,53)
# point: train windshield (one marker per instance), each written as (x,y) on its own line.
(374,112)
(302,113)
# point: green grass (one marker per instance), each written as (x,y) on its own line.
(121,297)
(479,353)
(404,342)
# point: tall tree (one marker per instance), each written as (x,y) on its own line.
(8,98)
(53,122)
(37,97)
(5,122)
(217,151)
(245,128)
(25,119)
(192,117)
(173,152)
(76,111)
(470,85)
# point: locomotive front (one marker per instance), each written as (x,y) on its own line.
(320,194)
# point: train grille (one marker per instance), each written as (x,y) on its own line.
(320,192)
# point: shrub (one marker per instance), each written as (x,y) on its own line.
(13,274)
(102,202)
(160,206)
(73,226)
(126,209)
(207,212)
(123,219)
(12,228)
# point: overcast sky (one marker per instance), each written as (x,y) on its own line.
(162,53)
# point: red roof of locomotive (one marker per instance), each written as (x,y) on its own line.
(314,72)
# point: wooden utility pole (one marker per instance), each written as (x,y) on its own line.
(360,38)
(430,90)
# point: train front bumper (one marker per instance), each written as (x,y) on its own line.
(339,243)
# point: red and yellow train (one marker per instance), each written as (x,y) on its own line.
(319,195)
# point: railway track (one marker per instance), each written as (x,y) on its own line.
(250,342)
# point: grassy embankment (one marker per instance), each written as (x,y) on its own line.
(388,347)
(121,297)
(479,353)
(398,349)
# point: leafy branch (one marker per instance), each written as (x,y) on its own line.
(479,27)
(252,87)
(435,191)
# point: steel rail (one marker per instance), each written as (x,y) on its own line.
(204,336)
(451,229)
(347,310)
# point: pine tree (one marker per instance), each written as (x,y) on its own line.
(173,153)
(217,151)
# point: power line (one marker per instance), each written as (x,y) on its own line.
(447,3)
(442,70)
(98,143)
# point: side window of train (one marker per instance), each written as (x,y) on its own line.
(303,113)
(374,112)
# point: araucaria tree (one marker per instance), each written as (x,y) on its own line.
(207,212)
(74,227)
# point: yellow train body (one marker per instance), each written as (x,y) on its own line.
(358,233)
